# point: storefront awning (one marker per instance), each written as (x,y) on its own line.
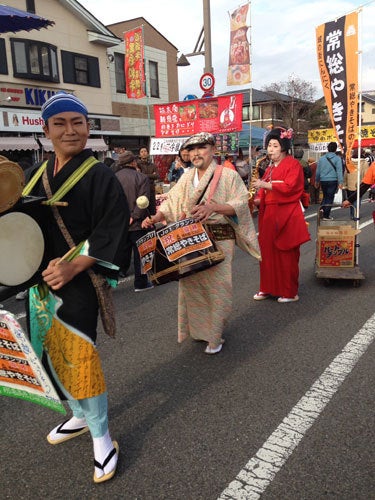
(18,144)
(96,144)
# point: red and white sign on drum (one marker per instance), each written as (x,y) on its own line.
(207,82)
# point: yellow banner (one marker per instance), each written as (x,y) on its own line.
(329,135)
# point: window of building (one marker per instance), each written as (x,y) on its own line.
(256,113)
(154,79)
(246,115)
(3,58)
(278,112)
(30,6)
(120,72)
(80,69)
(34,60)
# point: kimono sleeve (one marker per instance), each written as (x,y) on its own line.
(110,218)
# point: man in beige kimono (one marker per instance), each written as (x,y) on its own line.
(205,298)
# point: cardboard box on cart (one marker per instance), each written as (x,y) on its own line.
(336,246)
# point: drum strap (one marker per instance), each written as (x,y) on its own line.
(214,182)
(68,184)
(211,184)
(34,179)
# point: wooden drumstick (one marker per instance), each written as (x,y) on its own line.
(66,256)
(143,203)
(56,203)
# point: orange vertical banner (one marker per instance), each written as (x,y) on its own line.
(337,51)
(134,67)
(239,51)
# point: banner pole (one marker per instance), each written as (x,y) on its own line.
(359,127)
(250,101)
(146,83)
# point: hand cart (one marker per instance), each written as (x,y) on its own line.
(336,250)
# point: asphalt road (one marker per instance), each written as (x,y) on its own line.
(188,424)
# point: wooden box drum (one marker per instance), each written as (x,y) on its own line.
(163,271)
(177,251)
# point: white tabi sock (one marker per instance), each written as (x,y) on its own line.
(72,424)
(102,447)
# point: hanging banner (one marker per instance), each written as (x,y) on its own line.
(225,144)
(216,115)
(239,50)
(166,146)
(328,135)
(134,67)
(21,373)
(337,50)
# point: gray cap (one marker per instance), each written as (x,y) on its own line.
(199,139)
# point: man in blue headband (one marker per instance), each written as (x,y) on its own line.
(94,222)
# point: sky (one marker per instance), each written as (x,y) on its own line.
(282,36)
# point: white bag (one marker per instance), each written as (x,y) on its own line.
(337,200)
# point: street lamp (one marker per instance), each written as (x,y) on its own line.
(203,39)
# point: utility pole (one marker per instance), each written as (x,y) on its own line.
(207,37)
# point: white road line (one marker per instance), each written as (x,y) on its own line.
(259,472)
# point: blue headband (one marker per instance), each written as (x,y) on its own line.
(61,102)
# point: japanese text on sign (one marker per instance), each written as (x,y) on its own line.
(146,248)
(217,115)
(183,237)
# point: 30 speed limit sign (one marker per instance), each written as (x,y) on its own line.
(207,82)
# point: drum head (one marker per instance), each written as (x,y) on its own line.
(21,248)
(12,182)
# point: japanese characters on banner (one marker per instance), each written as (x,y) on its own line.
(321,135)
(239,51)
(21,373)
(224,144)
(167,146)
(134,68)
(337,49)
(217,115)
(319,138)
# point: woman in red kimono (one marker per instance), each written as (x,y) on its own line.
(282,226)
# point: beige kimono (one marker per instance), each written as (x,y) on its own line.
(205,298)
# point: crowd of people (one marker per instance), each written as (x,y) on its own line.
(92,240)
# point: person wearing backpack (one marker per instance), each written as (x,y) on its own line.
(329,176)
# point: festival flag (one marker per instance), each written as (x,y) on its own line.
(21,372)
(239,50)
(134,66)
(337,49)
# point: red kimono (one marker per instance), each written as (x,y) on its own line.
(282,228)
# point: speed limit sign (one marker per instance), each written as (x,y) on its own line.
(207,82)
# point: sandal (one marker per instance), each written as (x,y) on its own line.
(261,296)
(63,435)
(109,475)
